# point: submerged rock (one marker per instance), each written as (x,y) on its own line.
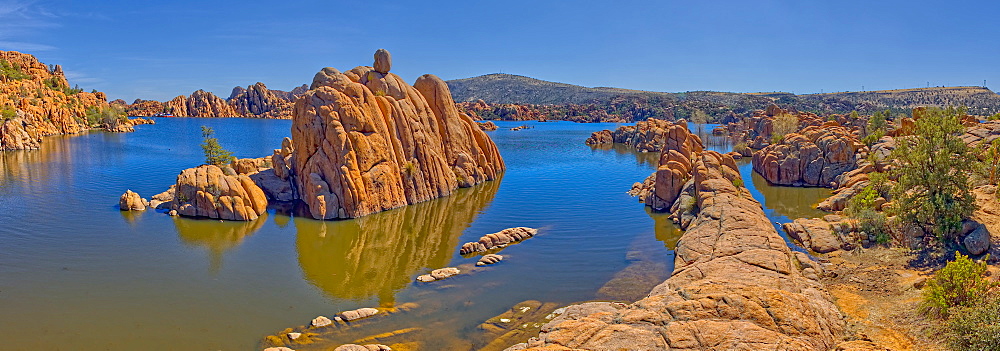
(358,314)
(499,239)
(489,259)
(439,274)
(320,322)
(369,347)
(130,201)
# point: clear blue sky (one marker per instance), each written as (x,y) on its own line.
(160,49)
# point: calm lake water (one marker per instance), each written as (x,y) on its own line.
(77,274)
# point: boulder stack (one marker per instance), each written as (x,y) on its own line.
(364,141)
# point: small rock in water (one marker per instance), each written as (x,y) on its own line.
(356,347)
(489,259)
(282,348)
(294,336)
(358,313)
(321,321)
(425,278)
(172,213)
(498,239)
(444,272)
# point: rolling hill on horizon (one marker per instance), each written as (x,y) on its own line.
(502,88)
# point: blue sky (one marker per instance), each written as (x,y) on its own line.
(161,49)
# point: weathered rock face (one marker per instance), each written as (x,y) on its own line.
(645,136)
(662,189)
(131,201)
(736,285)
(600,137)
(145,108)
(819,235)
(813,157)
(365,142)
(200,104)
(13,136)
(487,126)
(37,101)
(205,191)
(259,101)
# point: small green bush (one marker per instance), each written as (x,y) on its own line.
(7,112)
(10,71)
(961,283)
(783,124)
(104,117)
(870,220)
(975,328)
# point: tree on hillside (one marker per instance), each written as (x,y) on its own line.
(214,153)
(934,167)
(876,127)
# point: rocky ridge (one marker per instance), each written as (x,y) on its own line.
(735,284)
(36,100)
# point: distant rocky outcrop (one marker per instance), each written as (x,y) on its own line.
(206,191)
(254,101)
(364,141)
(644,136)
(200,104)
(259,101)
(814,156)
(736,284)
(36,101)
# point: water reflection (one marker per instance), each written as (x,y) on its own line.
(215,235)
(23,165)
(666,231)
(378,254)
(790,202)
(624,151)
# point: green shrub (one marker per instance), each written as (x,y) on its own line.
(932,188)
(10,71)
(214,153)
(783,124)
(975,328)
(990,170)
(740,148)
(7,112)
(104,117)
(961,283)
(870,220)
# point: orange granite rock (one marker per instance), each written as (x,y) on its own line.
(37,101)
(205,191)
(364,141)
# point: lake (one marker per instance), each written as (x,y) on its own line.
(76,273)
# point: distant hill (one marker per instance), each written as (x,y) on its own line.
(629,105)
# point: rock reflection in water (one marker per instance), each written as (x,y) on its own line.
(791,202)
(215,235)
(642,158)
(378,254)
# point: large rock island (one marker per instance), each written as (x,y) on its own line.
(364,141)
